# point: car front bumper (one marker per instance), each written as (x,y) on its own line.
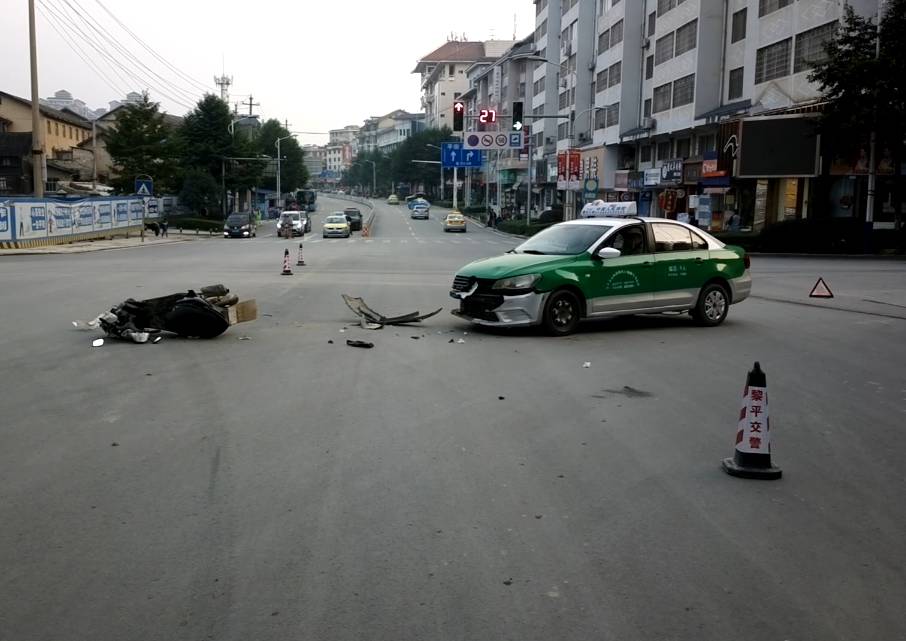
(237,233)
(336,233)
(497,310)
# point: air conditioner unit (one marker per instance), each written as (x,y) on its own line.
(549,140)
(592,65)
(649,123)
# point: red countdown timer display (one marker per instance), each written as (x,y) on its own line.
(486,116)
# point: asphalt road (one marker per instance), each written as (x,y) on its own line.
(284,487)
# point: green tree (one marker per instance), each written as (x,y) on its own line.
(293,172)
(141,143)
(866,90)
(420,146)
(208,146)
(200,192)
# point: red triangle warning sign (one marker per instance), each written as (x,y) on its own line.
(821,290)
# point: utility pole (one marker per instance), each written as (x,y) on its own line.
(252,104)
(37,134)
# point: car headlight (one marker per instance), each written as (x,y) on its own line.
(245,227)
(517,283)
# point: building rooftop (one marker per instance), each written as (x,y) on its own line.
(50,112)
(453,51)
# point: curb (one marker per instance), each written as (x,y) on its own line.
(85,250)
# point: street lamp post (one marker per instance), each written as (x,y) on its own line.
(373,175)
(279,157)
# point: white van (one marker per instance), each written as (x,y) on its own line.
(602,209)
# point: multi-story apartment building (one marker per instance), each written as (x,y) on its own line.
(315,160)
(394,128)
(697,109)
(443,76)
(496,84)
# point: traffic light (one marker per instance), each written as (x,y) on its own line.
(459,112)
(517,116)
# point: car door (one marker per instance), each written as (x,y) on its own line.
(680,265)
(625,283)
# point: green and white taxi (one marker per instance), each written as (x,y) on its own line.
(603,267)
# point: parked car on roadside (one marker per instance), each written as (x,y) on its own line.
(393,199)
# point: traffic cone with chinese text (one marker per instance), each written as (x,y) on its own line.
(286,269)
(752,457)
(300,261)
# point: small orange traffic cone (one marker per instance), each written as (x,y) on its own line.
(286,269)
(752,456)
(300,261)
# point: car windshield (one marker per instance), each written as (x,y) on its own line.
(335,220)
(288,217)
(237,219)
(563,239)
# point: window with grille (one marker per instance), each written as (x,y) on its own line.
(652,22)
(661,98)
(684,90)
(645,153)
(612,115)
(600,118)
(772,61)
(770,6)
(664,150)
(615,74)
(739,25)
(646,111)
(810,46)
(604,41)
(616,33)
(562,130)
(683,147)
(706,143)
(564,99)
(686,37)
(649,67)
(601,80)
(663,49)
(735,88)
(663,6)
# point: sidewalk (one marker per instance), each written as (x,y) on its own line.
(477,222)
(104,245)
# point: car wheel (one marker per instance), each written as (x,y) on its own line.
(713,305)
(325,235)
(562,313)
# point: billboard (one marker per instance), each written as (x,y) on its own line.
(778,147)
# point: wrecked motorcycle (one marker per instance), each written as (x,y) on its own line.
(204,314)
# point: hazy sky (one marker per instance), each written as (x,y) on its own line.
(321,64)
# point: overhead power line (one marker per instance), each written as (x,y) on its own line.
(122,70)
(150,50)
(80,53)
(92,23)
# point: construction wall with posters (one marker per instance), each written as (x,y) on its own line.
(31,222)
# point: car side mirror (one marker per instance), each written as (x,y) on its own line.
(608,252)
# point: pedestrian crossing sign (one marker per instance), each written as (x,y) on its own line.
(144,187)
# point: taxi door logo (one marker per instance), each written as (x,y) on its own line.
(623,279)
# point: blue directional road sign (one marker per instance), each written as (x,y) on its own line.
(453,155)
(144,187)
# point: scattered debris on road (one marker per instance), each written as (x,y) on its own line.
(97,342)
(330,341)
(364,324)
(360,309)
(629,392)
(195,315)
(461,341)
(509,581)
(363,344)
(586,364)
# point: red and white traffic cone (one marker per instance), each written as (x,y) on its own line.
(286,269)
(300,261)
(752,457)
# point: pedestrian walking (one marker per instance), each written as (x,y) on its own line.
(491,218)
(163,228)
